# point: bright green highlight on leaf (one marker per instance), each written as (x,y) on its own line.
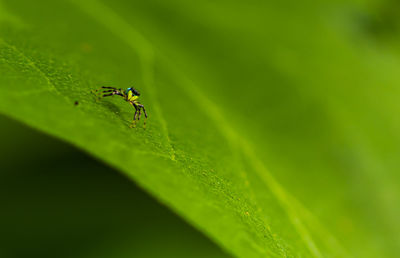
(231,88)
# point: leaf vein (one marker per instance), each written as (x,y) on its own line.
(32,64)
(144,48)
(119,27)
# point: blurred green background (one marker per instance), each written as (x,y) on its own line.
(314,85)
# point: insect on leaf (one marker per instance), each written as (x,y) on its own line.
(262,127)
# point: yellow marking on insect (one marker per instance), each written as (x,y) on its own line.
(130,95)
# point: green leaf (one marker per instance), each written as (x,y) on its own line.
(231,88)
(62,201)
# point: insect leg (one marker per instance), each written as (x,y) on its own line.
(136,113)
(134,117)
(140,112)
(144,110)
(111,94)
(98,92)
(145,115)
(103,89)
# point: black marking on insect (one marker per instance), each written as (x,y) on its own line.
(130,95)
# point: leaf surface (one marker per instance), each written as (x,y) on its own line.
(231,88)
